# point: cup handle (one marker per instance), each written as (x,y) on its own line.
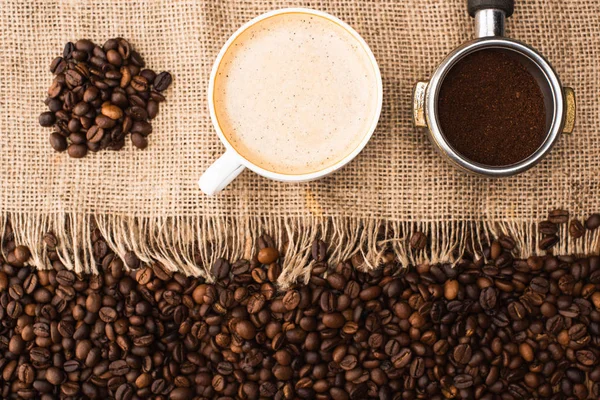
(221,173)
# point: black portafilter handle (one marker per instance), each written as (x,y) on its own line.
(508,6)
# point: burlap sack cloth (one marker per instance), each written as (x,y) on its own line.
(148,201)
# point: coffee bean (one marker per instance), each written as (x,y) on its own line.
(162,81)
(319,250)
(47,118)
(124,48)
(141,127)
(462,353)
(526,352)
(16,345)
(218,383)
(517,311)
(54,91)
(26,374)
(94,134)
(495,250)
(138,113)
(463,381)
(81,108)
(274,272)
(113,57)
(139,141)
(417,368)
(74,125)
(256,303)
(68,49)
(139,83)
(548,242)
(576,229)
(105,122)
(119,367)
(77,150)
(77,138)
(333,320)
(338,282)
(136,100)
(540,285)
(65,278)
(16,291)
(124,392)
(112,111)
(108,314)
(488,298)
(131,260)
(84,45)
(156,96)
(152,109)
(291,300)
(54,105)
(555,324)
(55,376)
(30,284)
(593,222)
(74,78)
(220,269)
(50,240)
(418,241)
(58,65)
(558,216)
(577,331)
(451,288)
(586,357)
(22,254)
(182,393)
(547,228)
(111,44)
(245,329)
(370,293)
(267,255)
(148,74)
(41,329)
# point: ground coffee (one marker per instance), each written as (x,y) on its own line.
(491,109)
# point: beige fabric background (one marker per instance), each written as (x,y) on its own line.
(397,178)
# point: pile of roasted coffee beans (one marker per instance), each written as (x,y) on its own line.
(496,329)
(99,95)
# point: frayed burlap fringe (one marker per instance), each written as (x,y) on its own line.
(192,244)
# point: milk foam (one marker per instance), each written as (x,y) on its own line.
(296,93)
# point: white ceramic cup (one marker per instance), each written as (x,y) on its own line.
(231,163)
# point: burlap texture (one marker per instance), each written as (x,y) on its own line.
(397,178)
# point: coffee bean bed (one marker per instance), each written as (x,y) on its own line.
(490,327)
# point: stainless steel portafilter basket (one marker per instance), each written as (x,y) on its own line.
(490,16)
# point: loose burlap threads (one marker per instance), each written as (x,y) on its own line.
(148,201)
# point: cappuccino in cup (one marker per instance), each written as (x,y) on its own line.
(294,95)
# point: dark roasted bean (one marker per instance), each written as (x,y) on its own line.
(418,241)
(162,81)
(576,229)
(593,222)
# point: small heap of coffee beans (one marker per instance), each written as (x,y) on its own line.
(497,329)
(99,95)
